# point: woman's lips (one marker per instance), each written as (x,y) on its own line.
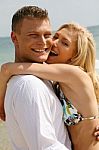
(53,53)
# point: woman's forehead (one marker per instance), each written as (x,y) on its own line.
(67,33)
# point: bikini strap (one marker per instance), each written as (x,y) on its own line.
(90,118)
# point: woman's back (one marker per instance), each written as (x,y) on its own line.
(78,93)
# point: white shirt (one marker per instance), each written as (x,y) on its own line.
(34,115)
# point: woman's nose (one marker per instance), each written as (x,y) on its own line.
(49,42)
(55,42)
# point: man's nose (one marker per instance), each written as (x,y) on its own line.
(45,42)
(42,41)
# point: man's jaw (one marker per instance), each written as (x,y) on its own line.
(42,54)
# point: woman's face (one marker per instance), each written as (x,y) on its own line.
(64,46)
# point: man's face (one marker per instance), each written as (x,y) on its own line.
(34,41)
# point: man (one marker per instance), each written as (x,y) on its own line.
(33,112)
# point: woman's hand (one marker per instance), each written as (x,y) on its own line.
(5,70)
(2,115)
(96,133)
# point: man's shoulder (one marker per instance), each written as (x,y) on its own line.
(25,83)
(30,84)
(28,80)
(24,78)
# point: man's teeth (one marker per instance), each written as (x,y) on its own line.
(38,50)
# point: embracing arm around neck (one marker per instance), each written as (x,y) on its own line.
(57,72)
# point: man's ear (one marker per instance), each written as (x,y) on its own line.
(14,38)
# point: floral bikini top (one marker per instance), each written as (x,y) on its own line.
(70,114)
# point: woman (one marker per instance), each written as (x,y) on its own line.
(73,69)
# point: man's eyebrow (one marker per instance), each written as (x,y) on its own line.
(33,31)
(38,32)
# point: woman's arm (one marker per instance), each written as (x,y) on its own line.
(57,72)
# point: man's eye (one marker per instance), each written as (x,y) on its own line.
(33,35)
(48,35)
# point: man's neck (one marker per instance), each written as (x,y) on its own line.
(26,61)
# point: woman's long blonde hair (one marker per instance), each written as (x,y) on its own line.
(85,55)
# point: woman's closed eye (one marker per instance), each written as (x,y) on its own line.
(65,43)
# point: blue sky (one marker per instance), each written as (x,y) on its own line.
(85,12)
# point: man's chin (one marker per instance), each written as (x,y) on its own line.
(42,59)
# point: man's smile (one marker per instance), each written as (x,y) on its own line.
(40,51)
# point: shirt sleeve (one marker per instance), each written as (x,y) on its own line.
(32,110)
